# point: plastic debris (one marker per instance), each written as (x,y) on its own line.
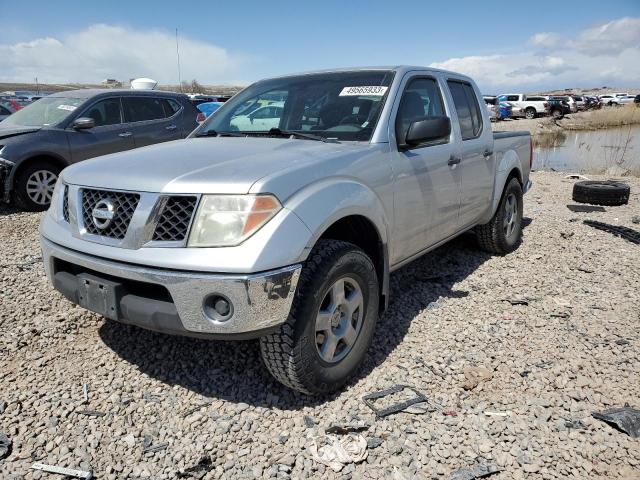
(5,445)
(204,465)
(69,472)
(477,471)
(91,413)
(585,208)
(373,400)
(475,376)
(575,424)
(625,419)
(499,414)
(336,452)
(347,428)
(450,413)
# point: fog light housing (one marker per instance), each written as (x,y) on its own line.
(217,307)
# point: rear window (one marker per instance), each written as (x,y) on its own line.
(536,99)
(140,109)
(170,106)
(467,109)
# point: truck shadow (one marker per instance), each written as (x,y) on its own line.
(233,371)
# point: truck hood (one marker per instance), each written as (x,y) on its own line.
(12,131)
(200,165)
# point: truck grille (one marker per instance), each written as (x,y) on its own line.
(124,206)
(65,203)
(175,219)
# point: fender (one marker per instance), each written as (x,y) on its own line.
(509,162)
(323,203)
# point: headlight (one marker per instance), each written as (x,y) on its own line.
(56,201)
(228,220)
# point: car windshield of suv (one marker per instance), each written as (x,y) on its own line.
(336,105)
(46,111)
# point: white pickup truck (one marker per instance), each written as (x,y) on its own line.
(528,106)
(289,233)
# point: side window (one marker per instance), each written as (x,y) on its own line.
(513,98)
(105,112)
(421,98)
(140,109)
(467,109)
(170,106)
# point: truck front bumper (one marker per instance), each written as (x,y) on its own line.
(173,301)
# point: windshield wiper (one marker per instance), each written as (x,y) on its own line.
(307,136)
(213,133)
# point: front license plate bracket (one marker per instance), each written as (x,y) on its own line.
(99,295)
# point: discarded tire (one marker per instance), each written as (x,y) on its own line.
(601,192)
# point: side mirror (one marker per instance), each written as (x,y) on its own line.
(427,129)
(84,123)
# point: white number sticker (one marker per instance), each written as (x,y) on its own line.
(69,108)
(365,90)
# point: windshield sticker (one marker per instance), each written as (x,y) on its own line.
(69,108)
(375,91)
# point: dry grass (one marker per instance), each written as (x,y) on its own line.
(606,117)
(549,138)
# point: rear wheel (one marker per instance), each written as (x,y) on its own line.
(331,323)
(556,113)
(530,113)
(503,233)
(34,186)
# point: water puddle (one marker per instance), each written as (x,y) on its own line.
(615,151)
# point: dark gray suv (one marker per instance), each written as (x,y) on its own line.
(37,142)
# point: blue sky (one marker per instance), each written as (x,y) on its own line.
(238,42)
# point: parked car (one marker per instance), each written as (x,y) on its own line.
(199,99)
(636,99)
(262,118)
(568,99)
(15,103)
(289,233)
(529,106)
(580,102)
(207,108)
(610,100)
(558,107)
(37,142)
(626,100)
(6,109)
(592,102)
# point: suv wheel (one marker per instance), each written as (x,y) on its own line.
(331,323)
(530,113)
(34,186)
(503,233)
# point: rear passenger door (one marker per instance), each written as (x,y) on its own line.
(109,135)
(152,119)
(477,164)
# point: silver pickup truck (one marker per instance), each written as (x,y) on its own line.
(282,216)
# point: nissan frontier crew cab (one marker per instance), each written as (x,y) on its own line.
(288,232)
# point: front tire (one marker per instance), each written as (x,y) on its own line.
(503,233)
(331,323)
(34,186)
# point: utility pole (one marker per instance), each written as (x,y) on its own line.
(37,87)
(178,59)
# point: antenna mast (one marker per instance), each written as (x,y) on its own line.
(178,59)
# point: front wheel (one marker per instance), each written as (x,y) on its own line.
(503,233)
(331,323)
(34,186)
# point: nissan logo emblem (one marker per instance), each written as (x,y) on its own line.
(103,213)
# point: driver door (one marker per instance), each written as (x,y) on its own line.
(109,135)
(427,183)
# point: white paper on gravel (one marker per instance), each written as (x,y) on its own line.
(336,452)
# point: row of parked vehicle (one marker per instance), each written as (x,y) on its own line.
(519,105)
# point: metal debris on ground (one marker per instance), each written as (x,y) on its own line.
(308,421)
(517,301)
(204,465)
(585,209)
(373,400)
(628,234)
(69,472)
(155,448)
(152,397)
(5,445)
(625,419)
(336,452)
(195,409)
(576,176)
(347,428)
(91,413)
(477,471)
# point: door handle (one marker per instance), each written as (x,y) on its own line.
(453,160)
(170,127)
(125,134)
(487,153)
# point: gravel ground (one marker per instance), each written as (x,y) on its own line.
(546,366)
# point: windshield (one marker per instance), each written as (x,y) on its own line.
(46,111)
(338,105)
